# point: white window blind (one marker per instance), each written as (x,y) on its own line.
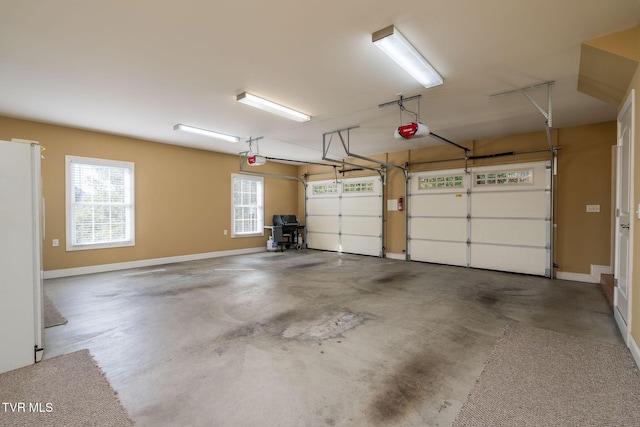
(100,203)
(247,195)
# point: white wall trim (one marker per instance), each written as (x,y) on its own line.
(622,327)
(594,277)
(392,255)
(635,350)
(78,271)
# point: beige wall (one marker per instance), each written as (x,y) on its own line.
(182,195)
(584,178)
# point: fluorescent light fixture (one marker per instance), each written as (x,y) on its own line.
(272,107)
(206,132)
(391,42)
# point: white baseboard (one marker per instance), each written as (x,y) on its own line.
(78,271)
(594,277)
(391,255)
(635,350)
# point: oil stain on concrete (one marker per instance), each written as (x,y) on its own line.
(405,389)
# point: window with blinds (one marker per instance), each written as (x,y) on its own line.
(100,203)
(247,194)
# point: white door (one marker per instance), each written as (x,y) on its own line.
(623,234)
(495,218)
(345,216)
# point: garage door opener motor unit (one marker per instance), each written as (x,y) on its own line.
(415,129)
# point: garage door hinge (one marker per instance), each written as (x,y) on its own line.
(468,217)
(468,242)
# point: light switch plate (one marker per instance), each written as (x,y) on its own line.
(593,208)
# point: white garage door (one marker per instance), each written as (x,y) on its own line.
(495,217)
(345,216)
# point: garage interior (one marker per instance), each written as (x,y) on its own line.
(234,341)
(513,206)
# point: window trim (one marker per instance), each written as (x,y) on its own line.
(260,231)
(70,246)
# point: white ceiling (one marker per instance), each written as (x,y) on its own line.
(138,67)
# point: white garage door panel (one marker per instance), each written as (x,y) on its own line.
(364,226)
(361,245)
(345,216)
(526,204)
(438,252)
(361,205)
(439,205)
(509,232)
(439,229)
(323,206)
(438,218)
(325,224)
(505,258)
(326,242)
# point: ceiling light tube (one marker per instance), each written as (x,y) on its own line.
(206,132)
(272,107)
(391,42)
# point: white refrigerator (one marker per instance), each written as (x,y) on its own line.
(21,233)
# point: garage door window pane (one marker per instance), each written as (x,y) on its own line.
(319,189)
(512,177)
(358,187)
(445,181)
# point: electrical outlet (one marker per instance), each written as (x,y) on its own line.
(225,232)
(593,208)
(55,242)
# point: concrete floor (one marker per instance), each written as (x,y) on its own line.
(306,338)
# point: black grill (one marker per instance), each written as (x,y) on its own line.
(285,231)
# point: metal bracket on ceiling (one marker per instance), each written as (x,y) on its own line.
(548,114)
(400,103)
(347,149)
(254,142)
(327,138)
